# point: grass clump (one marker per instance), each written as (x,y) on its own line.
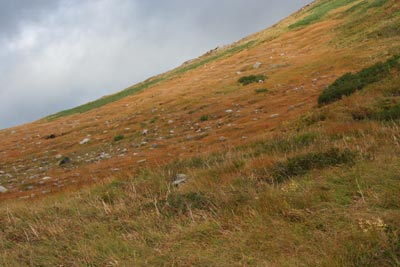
(319,11)
(118,138)
(204,118)
(261,90)
(245,80)
(176,204)
(283,145)
(350,83)
(388,113)
(301,164)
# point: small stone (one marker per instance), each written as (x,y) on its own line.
(257,65)
(145,132)
(142,161)
(274,116)
(229,111)
(222,139)
(3,189)
(179,179)
(59,156)
(170,121)
(51,136)
(64,161)
(84,141)
(46,178)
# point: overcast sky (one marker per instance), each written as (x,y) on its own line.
(57,54)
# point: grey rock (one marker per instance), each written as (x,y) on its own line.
(179,179)
(3,189)
(64,161)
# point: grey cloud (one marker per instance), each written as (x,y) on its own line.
(58,54)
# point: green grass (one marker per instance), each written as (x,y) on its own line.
(301,164)
(350,83)
(149,83)
(319,11)
(118,138)
(261,90)
(246,80)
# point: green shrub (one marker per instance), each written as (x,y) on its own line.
(350,83)
(261,90)
(388,113)
(118,138)
(251,79)
(204,118)
(299,165)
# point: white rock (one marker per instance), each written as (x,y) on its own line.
(229,111)
(46,178)
(257,65)
(180,178)
(84,141)
(3,189)
(274,116)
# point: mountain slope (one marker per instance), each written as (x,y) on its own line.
(275,179)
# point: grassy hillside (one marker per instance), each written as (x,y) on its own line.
(289,142)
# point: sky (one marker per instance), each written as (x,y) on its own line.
(57,54)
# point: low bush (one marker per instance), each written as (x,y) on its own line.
(204,118)
(251,79)
(350,83)
(118,138)
(301,164)
(388,113)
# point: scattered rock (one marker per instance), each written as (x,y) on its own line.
(84,141)
(59,156)
(46,178)
(3,189)
(179,179)
(274,116)
(50,136)
(170,121)
(222,139)
(64,161)
(296,106)
(145,132)
(229,111)
(257,65)
(2,172)
(142,161)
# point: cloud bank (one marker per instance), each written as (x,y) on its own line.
(57,54)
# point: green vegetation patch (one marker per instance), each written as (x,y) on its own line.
(245,80)
(204,118)
(319,11)
(118,138)
(261,90)
(350,83)
(301,164)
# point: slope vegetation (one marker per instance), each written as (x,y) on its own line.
(288,143)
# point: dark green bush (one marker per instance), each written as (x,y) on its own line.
(204,118)
(350,83)
(299,165)
(118,138)
(388,113)
(251,79)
